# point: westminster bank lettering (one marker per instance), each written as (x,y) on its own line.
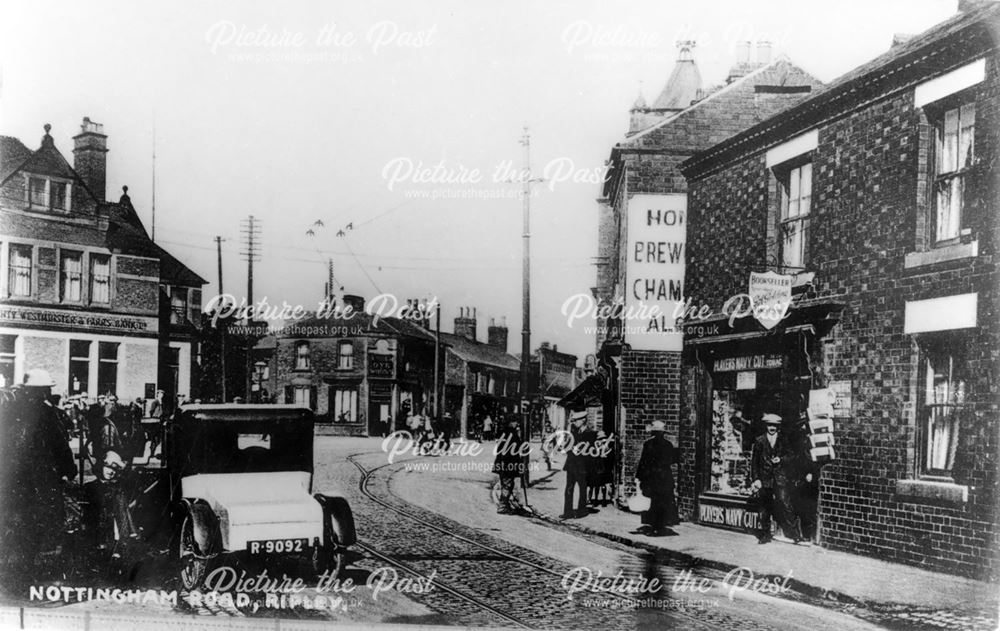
(18,315)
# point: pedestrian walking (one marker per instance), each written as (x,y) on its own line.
(487,428)
(775,466)
(509,465)
(656,481)
(576,469)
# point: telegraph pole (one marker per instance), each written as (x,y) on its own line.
(250,228)
(222,329)
(527,181)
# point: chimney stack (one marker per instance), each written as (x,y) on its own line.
(90,157)
(465,323)
(763,53)
(496,334)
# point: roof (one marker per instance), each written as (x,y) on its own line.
(723,113)
(479,352)
(899,66)
(681,88)
(560,385)
(13,154)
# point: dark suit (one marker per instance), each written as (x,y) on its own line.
(657,481)
(576,471)
(777,481)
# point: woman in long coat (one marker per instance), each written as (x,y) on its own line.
(656,480)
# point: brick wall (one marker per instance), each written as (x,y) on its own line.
(650,391)
(871,209)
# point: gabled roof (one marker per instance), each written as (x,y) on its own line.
(919,58)
(13,154)
(479,352)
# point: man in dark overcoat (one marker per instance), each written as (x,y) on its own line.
(656,480)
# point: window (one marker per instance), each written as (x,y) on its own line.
(8,353)
(107,368)
(944,402)
(345,355)
(19,283)
(301,396)
(795,187)
(955,151)
(302,356)
(79,366)
(178,305)
(100,278)
(36,192)
(70,276)
(345,406)
(48,194)
(57,195)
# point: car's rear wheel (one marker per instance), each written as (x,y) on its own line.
(191,567)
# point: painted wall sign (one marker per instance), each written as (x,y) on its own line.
(56,318)
(654,271)
(381,366)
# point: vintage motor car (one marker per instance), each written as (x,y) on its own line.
(240,480)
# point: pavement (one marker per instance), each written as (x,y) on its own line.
(814,570)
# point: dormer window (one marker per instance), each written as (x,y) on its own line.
(48,194)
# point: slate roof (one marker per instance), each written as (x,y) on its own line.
(125,233)
(479,352)
(970,33)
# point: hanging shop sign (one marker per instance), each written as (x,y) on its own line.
(654,271)
(820,413)
(770,296)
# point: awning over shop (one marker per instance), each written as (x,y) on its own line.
(589,393)
(815,316)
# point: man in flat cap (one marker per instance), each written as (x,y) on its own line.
(773,465)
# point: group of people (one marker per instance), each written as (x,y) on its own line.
(431,435)
(589,467)
(40,500)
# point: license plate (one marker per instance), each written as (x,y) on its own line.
(278,546)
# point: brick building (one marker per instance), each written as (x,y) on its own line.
(86,294)
(875,200)
(353,370)
(481,378)
(637,379)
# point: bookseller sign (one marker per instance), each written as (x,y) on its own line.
(654,271)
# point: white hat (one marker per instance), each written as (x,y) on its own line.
(38,378)
(771,419)
(657,426)
(578,416)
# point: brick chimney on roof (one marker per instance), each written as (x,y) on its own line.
(465,323)
(496,334)
(90,157)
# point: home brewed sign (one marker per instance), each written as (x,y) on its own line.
(654,271)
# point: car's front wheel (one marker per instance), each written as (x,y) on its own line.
(191,567)
(327,559)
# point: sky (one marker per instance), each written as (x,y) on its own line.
(402,119)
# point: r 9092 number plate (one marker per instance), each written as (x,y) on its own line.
(278,546)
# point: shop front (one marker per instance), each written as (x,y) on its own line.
(740,373)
